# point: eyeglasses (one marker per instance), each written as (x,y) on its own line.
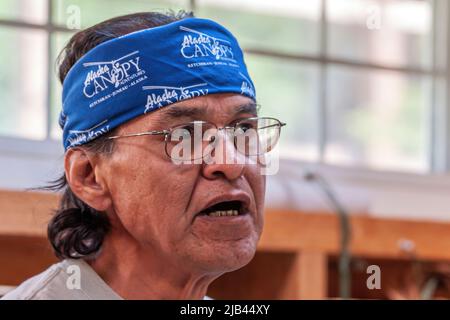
(198,139)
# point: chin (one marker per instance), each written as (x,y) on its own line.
(228,256)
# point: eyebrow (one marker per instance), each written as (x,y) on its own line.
(176,112)
(181,112)
(251,108)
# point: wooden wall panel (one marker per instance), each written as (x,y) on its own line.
(296,256)
(22,257)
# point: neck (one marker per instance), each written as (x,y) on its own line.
(135,272)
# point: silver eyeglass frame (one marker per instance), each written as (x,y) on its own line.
(166,133)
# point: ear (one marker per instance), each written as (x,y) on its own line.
(82,174)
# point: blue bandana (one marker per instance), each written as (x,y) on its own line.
(140,72)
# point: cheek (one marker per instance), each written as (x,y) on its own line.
(150,200)
(257,183)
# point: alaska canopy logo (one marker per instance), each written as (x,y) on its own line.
(246,86)
(198,44)
(167,95)
(111,73)
(78,137)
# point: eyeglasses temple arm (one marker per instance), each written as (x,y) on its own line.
(149,133)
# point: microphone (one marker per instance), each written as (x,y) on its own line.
(345,232)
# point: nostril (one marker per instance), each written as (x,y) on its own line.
(219,174)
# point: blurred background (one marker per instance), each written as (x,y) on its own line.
(364,88)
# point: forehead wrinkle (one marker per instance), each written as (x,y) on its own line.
(173,112)
(201,111)
(232,111)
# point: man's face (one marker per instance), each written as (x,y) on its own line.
(161,204)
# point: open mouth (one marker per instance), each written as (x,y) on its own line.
(224,209)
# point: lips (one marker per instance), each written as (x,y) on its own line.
(228,217)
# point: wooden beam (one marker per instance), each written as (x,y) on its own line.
(22,257)
(294,231)
(27,213)
(311,269)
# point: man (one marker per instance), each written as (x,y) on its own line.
(163,187)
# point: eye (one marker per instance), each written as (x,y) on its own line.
(187,129)
(246,125)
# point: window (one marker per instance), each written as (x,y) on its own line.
(361,83)
(32,33)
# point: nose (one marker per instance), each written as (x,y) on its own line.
(224,160)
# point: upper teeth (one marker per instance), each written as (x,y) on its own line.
(220,213)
